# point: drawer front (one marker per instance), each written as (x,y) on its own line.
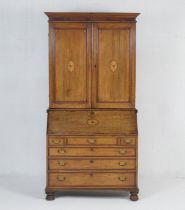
(91,140)
(89,151)
(90,122)
(56,140)
(91,179)
(92,164)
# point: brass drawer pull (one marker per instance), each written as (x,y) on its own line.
(122,163)
(91,141)
(92,122)
(128,141)
(61,151)
(61,163)
(56,141)
(61,178)
(122,178)
(122,151)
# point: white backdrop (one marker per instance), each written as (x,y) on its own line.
(160,82)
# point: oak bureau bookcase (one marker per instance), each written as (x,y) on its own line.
(92,124)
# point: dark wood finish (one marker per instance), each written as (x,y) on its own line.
(134,195)
(92,121)
(50,196)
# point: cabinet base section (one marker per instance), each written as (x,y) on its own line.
(50,192)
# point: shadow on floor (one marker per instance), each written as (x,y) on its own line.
(94,194)
(35,187)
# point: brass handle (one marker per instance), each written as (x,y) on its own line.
(61,163)
(122,178)
(92,141)
(122,163)
(122,151)
(61,151)
(128,141)
(56,141)
(61,178)
(92,122)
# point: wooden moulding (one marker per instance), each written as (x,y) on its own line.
(80,16)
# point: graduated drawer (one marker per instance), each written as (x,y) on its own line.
(89,151)
(91,179)
(92,164)
(91,140)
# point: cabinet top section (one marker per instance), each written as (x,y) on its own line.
(80,16)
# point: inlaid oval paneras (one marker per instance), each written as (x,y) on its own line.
(70,66)
(113,66)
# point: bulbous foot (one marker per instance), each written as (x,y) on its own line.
(134,195)
(50,196)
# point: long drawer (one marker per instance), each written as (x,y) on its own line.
(64,164)
(91,179)
(92,140)
(90,151)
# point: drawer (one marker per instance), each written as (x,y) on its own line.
(91,140)
(89,151)
(56,140)
(76,122)
(92,164)
(91,179)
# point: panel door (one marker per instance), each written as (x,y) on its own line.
(70,80)
(113,65)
